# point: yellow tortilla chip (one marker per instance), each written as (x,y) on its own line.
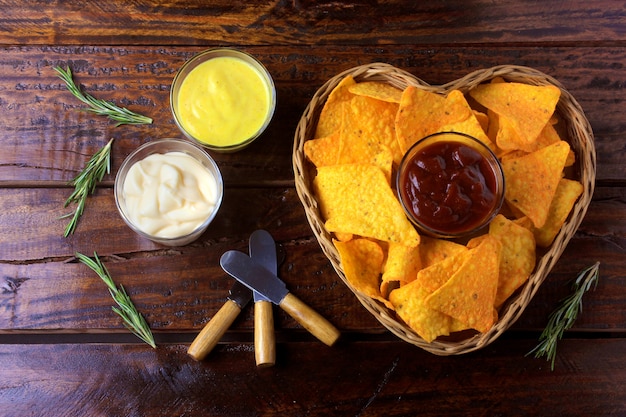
(517,256)
(523,108)
(469,295)
(367,126)
(362,262)
(493,127)
(357,198)
(422,113)
(433,250)
(470,125)
(330,116)
(409,303)
(377,90)
(525,222)
(483,120)
(323,151)
(567,192)
(401,266)
(475,241)
(343,237)
(547,137)
(531,180)
(437,274)
(508,137)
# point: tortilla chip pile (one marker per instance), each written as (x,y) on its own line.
(439,286)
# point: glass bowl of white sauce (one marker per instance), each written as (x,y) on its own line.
(169,191)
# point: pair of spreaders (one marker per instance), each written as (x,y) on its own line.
(256,278)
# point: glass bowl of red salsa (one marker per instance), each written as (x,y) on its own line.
(450,185)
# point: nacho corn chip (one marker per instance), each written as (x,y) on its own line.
(437,274)
(523,108)
(433,250)
(367,124)
(409,303)
(531,180)
(547,137)
(377,90)
(567,192)
(357,198)
(517,257)
(483,120)
(362,262)
(323,151)
(343,237)
(469,125)
(330,116)
(469,295)
(508,137)
(401,266)
(422,113)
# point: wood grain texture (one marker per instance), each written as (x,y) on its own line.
(308,22)
(352,379)
(179,289)
(64,352)
(47,138)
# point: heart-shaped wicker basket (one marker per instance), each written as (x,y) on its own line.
(577,132)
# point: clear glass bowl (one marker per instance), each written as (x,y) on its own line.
(201,58)
(450,185)
(164,146)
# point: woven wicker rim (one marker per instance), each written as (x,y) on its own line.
(579,135)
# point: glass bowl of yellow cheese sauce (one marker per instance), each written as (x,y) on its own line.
(223,99)
(169,191)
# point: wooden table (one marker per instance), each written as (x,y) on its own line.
(63,352)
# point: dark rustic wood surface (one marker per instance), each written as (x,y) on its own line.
(64,353)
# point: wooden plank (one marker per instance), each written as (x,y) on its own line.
(38,211)
(309,23)
(351,378)
(175,289)
(179,289)
(64,352)
(46,137)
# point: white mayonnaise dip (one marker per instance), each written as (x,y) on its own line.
(169,195)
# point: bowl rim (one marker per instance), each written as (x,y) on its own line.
(212,53)
(172,145)
(486,153)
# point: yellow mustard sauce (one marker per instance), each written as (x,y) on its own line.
(223,101)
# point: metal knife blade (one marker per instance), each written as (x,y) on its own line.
(263,252)
(259,279)
(251,274)
(238,296)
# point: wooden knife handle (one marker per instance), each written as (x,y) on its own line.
(214,330)
(310,319)
(264,339)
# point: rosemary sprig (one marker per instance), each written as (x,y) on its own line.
(85,183)
(565,315)
(101,107)
(133,320)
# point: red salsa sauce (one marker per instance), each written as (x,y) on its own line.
(449,187)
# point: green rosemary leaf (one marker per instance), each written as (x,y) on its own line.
(565,315)
(131,318)
(101,107)
(85,184)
